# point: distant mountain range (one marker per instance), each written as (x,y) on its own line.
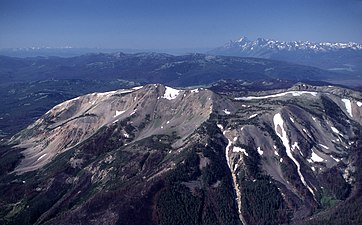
(66,51)
(252,45)
(186,70)
(342,57)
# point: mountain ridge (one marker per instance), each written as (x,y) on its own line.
(186,70)
(180,155)
(245,43)
(334,56)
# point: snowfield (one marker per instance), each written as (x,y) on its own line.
(348,105)
(293,93)
(171,93)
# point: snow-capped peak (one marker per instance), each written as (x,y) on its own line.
(261,43)
(243,39)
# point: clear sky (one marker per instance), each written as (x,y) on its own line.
(173,24)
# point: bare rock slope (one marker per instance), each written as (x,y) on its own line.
(159,155)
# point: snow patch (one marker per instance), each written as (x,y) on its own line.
(109,93)
(227,112)
(348,105)
(276,153)
(238,149)
(236,167)
(335,130)
(316,158)
(171,93)
(252,116)
(335,159)
(293,93)
(42,156)
(134,111)
(359,104)
(228,145)
(260,151)
(118,113)
(291,119)
(278,123)
(326,147)
(195,90)
(295,146)
(137,88)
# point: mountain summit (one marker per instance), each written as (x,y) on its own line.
(159,155)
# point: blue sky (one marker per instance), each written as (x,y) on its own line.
(174,24)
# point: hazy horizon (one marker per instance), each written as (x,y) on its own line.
(174,25)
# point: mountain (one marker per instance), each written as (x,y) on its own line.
(31,86)
(342,57)
(158,155)
(186,70)
(52,51)
(252,46)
